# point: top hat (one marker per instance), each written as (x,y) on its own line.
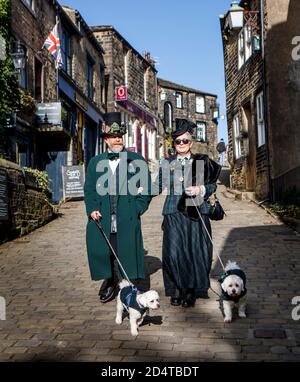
(183,126)
(113,125)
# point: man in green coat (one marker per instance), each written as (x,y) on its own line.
(116,192)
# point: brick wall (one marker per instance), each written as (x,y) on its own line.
(28,206)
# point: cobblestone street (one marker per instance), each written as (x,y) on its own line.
(53,311)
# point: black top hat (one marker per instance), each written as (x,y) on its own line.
(183,126)
(113,125)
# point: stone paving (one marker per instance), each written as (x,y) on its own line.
(53,311)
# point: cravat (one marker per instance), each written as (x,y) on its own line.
(113,156)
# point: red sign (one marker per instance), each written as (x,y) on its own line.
(121,93)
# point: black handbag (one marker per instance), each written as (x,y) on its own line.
(216,211)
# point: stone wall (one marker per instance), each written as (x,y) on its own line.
(117,50)
(249,172)
(28,206)
(188,111)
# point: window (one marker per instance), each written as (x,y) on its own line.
(200,104)
(236,135)
(244,45)
(126,57)
(66,53)
(29,3)
(178,100)
(261,136)
(102,85)
(38,80)
(201,131)
(168,117)
(145,85)
(90,78)
(23,78)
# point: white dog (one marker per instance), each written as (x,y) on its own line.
(136,303)
(233,283)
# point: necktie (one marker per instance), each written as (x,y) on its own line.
(113,156)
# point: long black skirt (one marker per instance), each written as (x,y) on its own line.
(187,254)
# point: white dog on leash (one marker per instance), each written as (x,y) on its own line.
(233,283)
(136,303)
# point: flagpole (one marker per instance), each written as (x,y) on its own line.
(57,66)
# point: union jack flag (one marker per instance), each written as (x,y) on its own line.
(52,43)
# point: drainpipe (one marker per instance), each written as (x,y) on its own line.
(268,165)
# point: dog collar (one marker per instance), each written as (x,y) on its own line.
(237,272)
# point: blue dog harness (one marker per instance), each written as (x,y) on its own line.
(237,272)
(128,298)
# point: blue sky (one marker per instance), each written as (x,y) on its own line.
(184,36)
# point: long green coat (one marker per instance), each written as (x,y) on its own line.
(129,210)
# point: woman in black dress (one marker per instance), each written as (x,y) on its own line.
(187,249)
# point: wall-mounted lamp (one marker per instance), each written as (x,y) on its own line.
(17,52)
(235,16)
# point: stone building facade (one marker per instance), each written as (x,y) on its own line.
(179,101)
(262,90)
(131,88)
(62,127)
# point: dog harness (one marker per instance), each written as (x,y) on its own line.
(236,272)
(128,298)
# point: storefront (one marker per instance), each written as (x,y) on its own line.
(141,134)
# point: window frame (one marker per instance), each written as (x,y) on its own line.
(204,104)
(204,130)
(66,52)
(179,96)
(90,77)
(237,136)
(260,120)
(170,115)
(245,50)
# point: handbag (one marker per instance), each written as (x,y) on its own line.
(216,211)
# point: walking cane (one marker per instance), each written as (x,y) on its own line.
(99,225)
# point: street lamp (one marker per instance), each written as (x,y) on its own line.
(18,53)
(215,111)
(235,16)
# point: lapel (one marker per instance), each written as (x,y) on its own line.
(122,175)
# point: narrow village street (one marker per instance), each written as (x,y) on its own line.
(53,310)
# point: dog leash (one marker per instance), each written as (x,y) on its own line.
(207,231)
(99,225)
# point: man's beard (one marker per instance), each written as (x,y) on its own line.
(117,149)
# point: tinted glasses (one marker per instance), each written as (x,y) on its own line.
(182,141)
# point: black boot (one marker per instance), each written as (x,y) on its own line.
(107,290)
(176,299)
(189,298)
